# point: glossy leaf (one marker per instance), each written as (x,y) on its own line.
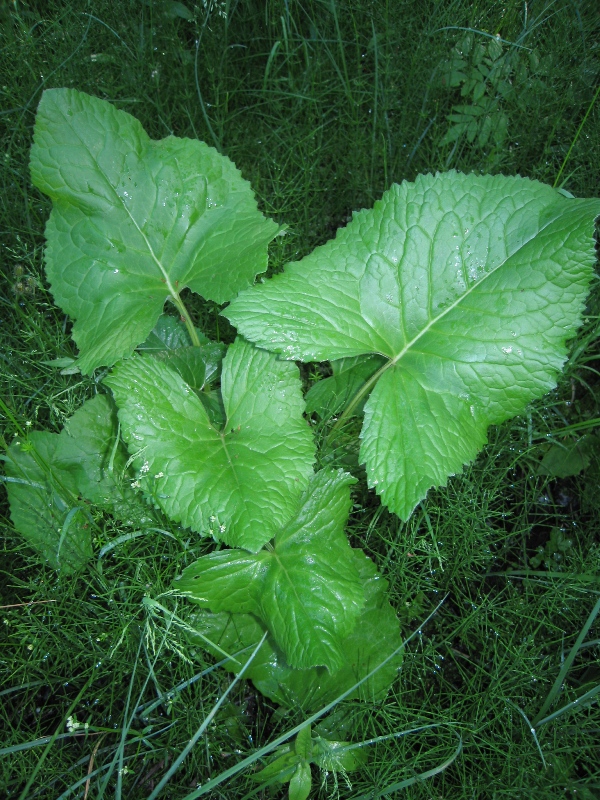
(303,743)
(468,285)
(280,770)
(300,782)
(135,221)
(306,589)
(196,365)
(375,636)
(239,484)
(43,503)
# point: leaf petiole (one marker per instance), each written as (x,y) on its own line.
(364,389)
(185,316)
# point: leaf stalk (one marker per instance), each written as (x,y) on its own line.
(185,316)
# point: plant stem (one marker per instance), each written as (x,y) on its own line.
(185,316)
(579,129)
(364,389)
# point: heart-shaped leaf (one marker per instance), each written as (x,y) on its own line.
(468,285)
(135,221)
(306,588)
(239,484)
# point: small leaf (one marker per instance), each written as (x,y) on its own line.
(169,334)
(328,396)
(196,365)
(239,484)
(468,285)
(494,49)
(470,111)
(472,129)
(484,133)
(335,757)
(177,9)
(43,503)
(456,77)
(280,770)
(67,361)
(501,130)
(478,91)
(570,458)
(454,133)
(135,221)
(306,590)
(300,782)
(303,744)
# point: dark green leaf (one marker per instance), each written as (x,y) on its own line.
(43,503)
(169,334)
(568,458)
(328,396)
(196,365)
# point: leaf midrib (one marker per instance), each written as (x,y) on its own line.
(367,386)
(120,201)
(299,604)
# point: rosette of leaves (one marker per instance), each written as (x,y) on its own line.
(291,763)
(136,221)
(468,286)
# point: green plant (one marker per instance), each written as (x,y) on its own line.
(292,762)
(453,299)
(492,75)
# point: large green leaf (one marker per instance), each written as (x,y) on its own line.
(306,588)
(43,503)
(135,221)
(239,484)
(468,285)
(375,637)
